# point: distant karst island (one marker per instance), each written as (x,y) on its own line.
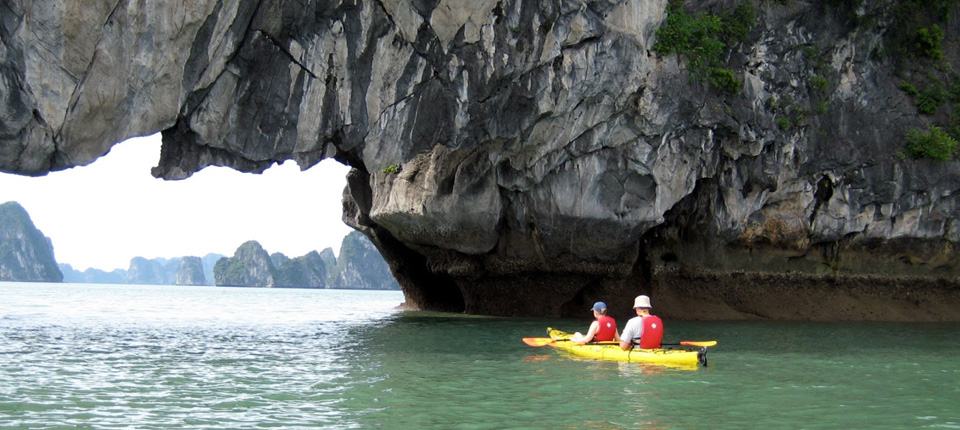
(27,255)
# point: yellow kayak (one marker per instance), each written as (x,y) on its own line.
(612,351)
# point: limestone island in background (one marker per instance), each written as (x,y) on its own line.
(26,255)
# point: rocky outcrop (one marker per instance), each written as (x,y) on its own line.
(190,272)
(92,275)
(361,266)
(329,260)
(250,266)
(25,253)
(143,271)
(157,271)
(209,261)
(307,271)
(528,158)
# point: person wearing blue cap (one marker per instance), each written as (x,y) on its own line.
(602,329)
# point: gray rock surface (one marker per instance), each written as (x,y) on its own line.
(517,157)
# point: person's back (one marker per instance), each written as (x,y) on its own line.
(644,329)
(602,329)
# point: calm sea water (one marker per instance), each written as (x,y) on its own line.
(151,357)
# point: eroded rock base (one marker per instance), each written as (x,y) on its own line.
(706,295)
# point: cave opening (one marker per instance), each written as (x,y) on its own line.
(103,215)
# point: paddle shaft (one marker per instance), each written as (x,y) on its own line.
(681,343)
(543,341)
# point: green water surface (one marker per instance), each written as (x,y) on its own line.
(151,357)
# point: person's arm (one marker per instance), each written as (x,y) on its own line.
(594,328)
(626,341)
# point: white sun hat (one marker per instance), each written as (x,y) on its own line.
(641,302)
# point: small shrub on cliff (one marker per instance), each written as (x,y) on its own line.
(955,93)
(931,99)
(934,144)
(724,80)
(737,25)
(783,123)
(928,99)
(819,84)
(954,132)
(909,88)
(928,42)
(695,38)
(821,108)
(702,38)
(393,168)
(916,31)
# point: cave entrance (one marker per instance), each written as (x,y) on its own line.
(101,216)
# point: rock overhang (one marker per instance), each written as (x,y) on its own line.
(531,140)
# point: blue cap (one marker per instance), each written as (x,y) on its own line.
(599,306)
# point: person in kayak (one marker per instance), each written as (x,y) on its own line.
(644,329)
(602,329)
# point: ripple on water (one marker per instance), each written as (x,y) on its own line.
(339,365)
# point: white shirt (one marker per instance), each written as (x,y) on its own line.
(634,329)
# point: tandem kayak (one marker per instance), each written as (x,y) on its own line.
(611,350)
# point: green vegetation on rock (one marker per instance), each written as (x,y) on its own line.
(724,80)
(701,39)
(929,42)
(934,144)
(915,38)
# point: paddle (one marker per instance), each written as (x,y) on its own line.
(693,343)
(544,341)
(537,341)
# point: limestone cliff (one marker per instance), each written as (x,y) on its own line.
(527,158)
(25,253)
(156,271)
(361,266)
(329,260)
(250,266)
(190,272)
(307,271)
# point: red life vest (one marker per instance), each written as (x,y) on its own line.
(652,332)
(608,327)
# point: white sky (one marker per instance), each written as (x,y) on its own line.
(103,214)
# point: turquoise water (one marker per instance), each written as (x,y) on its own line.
(151,357)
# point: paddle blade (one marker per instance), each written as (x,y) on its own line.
(698,343)
(537,341)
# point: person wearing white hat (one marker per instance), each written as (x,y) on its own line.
(602,329)
(644,329)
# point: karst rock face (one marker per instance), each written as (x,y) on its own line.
(529,157)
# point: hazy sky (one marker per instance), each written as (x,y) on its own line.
(103,214)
